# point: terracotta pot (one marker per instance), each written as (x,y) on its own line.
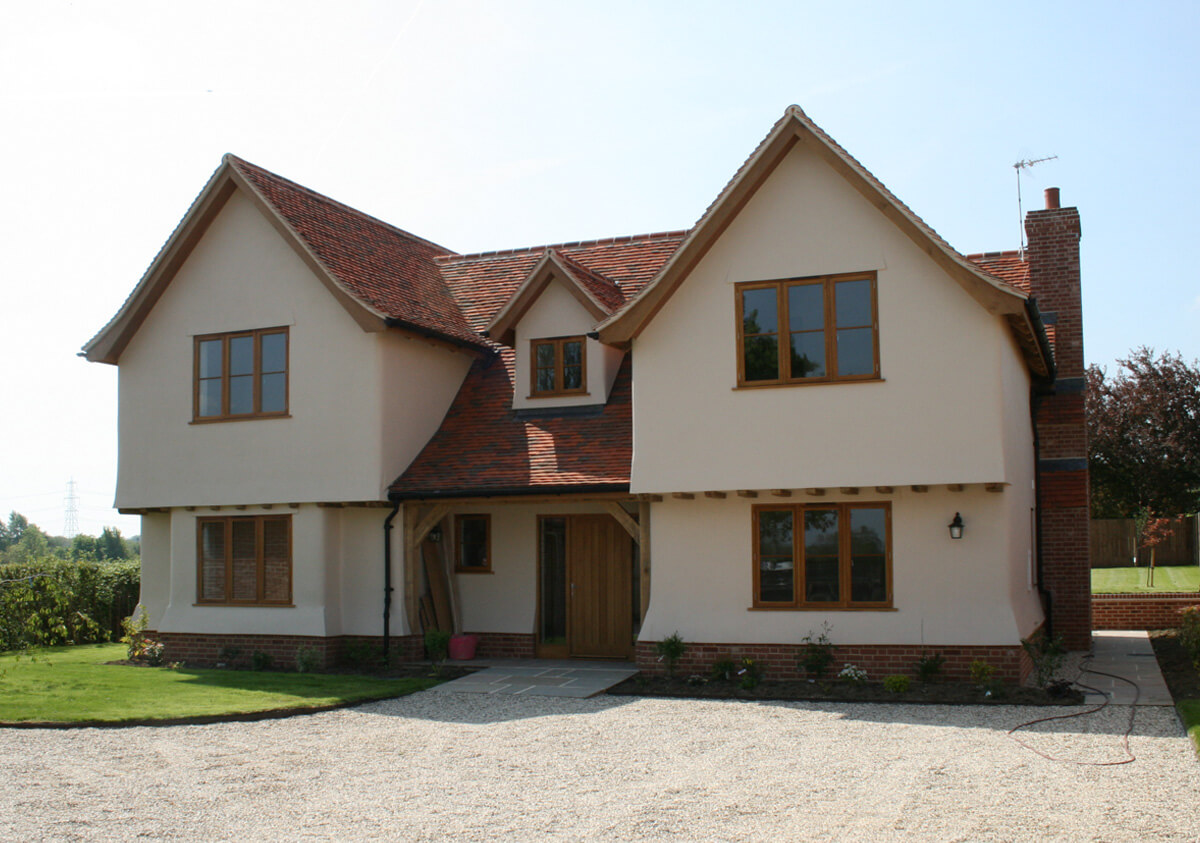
(462,647)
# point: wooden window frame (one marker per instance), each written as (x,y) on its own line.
(256,374)
(844,509)
(260,567)
(783,334)
(459,567)
(557,343)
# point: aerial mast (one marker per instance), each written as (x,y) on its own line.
(1019,166)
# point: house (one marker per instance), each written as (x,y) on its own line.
(740,431)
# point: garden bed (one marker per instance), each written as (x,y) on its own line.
(932,693)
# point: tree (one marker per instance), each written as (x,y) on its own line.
(110,545)
(1144,436)
(11,533)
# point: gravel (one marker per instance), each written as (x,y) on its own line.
(465,766)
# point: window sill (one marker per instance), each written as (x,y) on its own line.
(537,395)
(206,605)
(474,571)
(217,419)
(822,609)
(810,382)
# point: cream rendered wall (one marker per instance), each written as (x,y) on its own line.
(361,572)
(337,445)
(156,566)
(945,591)
(557,313)
(305,617)
(936,417)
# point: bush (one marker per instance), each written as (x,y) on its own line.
(307,659)
(929,667)
(751,673)
(53,601)
(671,650)
(896,684)
(260,660)
(852,674)
(362,655)
(817,657)
(1189,632)
(437,643)
(1047,656)
(724,670)
(984,677)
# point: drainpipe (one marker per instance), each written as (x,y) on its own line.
(1046,595)
(387,579)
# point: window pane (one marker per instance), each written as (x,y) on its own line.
(868,555)
(210,397)
(245,567)
(572,377)
(776,574)
(759,311)
(573,353)
(544,355)
(762,358)
(821,555)
(274,352)
(241,395)
(241,355)
(212,561)
(806,307)
(210,359)
(545,380)
(856,351)
(277,561)
(274,393)
(853,302)
(472,542)
(553,614)
(808,355)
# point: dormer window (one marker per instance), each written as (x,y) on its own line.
(559,367)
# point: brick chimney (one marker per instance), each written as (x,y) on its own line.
(1059,418)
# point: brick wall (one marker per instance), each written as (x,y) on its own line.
(203,649)
(1140,611)
(781,661)
(1060,418)
(504,645)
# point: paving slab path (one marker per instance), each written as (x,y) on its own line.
(438,766)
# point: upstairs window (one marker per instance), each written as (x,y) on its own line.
(558,367)
(808,330)
(241,375)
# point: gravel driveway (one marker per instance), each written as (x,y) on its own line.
(432,766)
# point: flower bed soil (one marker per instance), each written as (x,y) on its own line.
(1181,675)
(940,693)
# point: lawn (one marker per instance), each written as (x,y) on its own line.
(1129,580)
(72,684)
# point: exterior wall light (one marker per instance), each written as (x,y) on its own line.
(435,534)
(956,527)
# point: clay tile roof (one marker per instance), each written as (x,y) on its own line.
(390,270)
(1009,267)
(483,283)
(484,447)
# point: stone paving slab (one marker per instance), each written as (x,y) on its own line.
(554,679)
(1127,654)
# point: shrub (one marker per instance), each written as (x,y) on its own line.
(134,638)
(817,656)
(1189,632)
(897,684)
(53,601)
(724,670)
(1047,656)
(750,673)
(231,655)
(307,659)
(260,660)
(929,667)
(437,643)
(362,655)
(670,650)
(852,674)
(984,677)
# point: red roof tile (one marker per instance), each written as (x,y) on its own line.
(1009,267)
(390,270)
(483,446)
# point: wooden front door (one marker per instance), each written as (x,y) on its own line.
(585,587)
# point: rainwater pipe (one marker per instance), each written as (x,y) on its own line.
(387,579)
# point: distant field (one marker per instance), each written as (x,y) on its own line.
(1131,580)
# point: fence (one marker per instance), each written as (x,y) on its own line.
(1113,539)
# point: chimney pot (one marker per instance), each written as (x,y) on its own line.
(1052,198)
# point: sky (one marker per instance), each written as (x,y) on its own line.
(486,125)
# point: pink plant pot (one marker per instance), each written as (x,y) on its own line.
(462,647)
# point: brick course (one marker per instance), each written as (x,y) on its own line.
(1140,611)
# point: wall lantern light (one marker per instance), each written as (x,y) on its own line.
(956,527)
(435,535)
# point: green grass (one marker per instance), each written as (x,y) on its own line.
(1189,713)
(1130,580)
(73,684)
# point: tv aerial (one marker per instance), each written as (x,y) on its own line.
(1019,166)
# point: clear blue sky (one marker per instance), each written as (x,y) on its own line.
(485,125)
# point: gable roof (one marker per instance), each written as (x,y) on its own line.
(484,447)
(598,295)
(994,293)
(381,274)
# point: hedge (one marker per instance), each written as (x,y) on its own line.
(54,601)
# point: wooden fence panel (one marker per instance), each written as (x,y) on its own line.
(1112,542)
